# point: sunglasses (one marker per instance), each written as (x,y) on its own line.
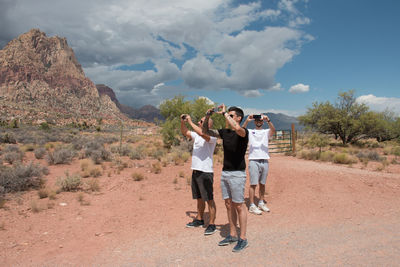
(231,115)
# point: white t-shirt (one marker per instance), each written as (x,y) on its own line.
(202,156)
(258,144)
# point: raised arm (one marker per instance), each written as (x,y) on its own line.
(246,122)
(234,125)
(198,130)
(184,129)
(205,129)
(270,125)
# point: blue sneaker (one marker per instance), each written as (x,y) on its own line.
(228,240)
(241,244)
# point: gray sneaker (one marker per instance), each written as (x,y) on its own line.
(228,240)
(195,223)
(241,244)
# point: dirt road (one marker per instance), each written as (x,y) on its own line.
(321,215)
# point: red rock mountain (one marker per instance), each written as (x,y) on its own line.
(41,79)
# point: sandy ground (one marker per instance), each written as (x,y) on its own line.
(322,214)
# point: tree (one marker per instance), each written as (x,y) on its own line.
(172,109)
(344,119)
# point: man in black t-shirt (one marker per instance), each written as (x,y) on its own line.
(233,178)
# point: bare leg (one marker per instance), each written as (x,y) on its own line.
(262,192)
(252,190)
(242,213)
(232,218)
(201,205)
(212,209)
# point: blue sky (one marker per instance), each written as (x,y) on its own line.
(264,56)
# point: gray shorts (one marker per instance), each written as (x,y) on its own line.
(258,170)
(233,184)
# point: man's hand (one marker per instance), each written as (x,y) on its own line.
(185,117)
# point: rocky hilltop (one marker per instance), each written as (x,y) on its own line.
(147,113)
(41,79)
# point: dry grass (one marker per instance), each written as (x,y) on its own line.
(35,207)
(81,199)
(43,193)
(137,176)
(156,167)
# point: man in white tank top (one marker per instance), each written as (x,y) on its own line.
(258,160)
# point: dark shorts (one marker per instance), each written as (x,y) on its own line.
(202,185)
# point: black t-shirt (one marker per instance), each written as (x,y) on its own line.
(235,148)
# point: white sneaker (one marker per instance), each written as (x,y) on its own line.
(263,207)
(255,210)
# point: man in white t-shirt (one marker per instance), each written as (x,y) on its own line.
(258,160)
(202,175)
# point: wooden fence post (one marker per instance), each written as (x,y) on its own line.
(293,139)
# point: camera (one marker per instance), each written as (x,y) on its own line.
(183,117)
(257,117)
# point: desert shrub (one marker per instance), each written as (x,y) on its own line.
(137,153)
(93,185)
(123,150)
(343,158)
(28,147)
(96,151)
(43,193)
(12,148)
(370,155)
(69,182)
(395,151)
(12,157)
(327,156)
(136,176)
(8,138)
(89,169)
(22,177)
(156,153)
(44,126)
(156,167)
(309,154)
(39,152)
(60,156)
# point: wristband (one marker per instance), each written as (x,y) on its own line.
(268,121)
(223,113)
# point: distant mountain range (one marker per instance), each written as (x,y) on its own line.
(280,121)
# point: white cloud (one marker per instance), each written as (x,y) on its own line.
(277,87)
(299,88)
(381,103)
(106,34)
(208,100)
(251,93)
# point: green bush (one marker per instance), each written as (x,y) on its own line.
(343,158)
(69,182)
(327,156)
(309,154)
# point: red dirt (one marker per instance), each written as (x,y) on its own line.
(321,214)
